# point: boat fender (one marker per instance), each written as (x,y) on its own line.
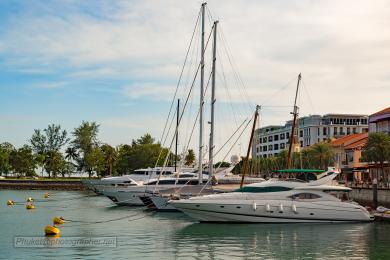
(254,205)
(58,220)
(30,206)
(52,231)
(10,202)
(267,207)
(47,195)
(281,208)
(294,208)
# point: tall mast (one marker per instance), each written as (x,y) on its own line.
(211,148)
(177,131)
(292,135)
(246,163)
(200,161)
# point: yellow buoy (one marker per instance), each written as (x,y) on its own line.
(47,195)
(29,199)
(52,231)
(30,206)
(58,220)
(10,202)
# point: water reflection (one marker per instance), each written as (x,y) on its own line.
(274,240)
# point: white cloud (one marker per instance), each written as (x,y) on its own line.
(341,48)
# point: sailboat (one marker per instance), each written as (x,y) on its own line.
(277,201)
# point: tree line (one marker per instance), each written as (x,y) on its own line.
(58,153)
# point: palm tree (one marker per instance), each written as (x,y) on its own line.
(110,156)
(72,155)
(377,149)
(322,154)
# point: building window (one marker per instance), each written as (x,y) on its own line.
(348,130)
(276,137)
(264,139)
(269,138)
(324,131)
(354,130)
(335,131)
(282,136)
(264,148)
(260,140)
(341,131)
(287,135)
(301,143)
(270,147)
(282,146)
(276,146)
(300,133)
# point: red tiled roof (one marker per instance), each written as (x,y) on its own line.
(359,143)
(382,112)
(348,139)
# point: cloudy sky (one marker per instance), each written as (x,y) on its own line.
(118,62)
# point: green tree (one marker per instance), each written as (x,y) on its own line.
(55,163)
(190,157)
(142,153)
(95,160)
(377,149)
(22,161)
(5,151)
(48,143)
(322,154)
(110,156)
(85,141)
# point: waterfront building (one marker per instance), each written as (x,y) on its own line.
(270,140)
(348,157)
(380,121)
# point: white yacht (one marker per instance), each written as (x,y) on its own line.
(276,201)
(129,194)
(98,186)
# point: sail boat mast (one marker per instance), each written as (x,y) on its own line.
(211,148)
(177,131)
(246,163)
(200,161)
(295,116)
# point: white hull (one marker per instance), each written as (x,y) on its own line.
(161,203)
(125,198)
(259,212)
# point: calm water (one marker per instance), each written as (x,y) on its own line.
(174,236)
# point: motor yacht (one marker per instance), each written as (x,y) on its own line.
(277,201)
(129,194)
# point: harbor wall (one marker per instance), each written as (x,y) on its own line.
(365,196)
(41,185)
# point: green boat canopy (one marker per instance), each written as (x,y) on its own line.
(300,171)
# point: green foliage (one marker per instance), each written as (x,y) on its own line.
(5,151)
(190,157)
(317,156)
(222,164)
(22,161)
(52,139)
(142,153)
(85,142)
(377,149)
(110,155)
(54,163)
(47,145)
